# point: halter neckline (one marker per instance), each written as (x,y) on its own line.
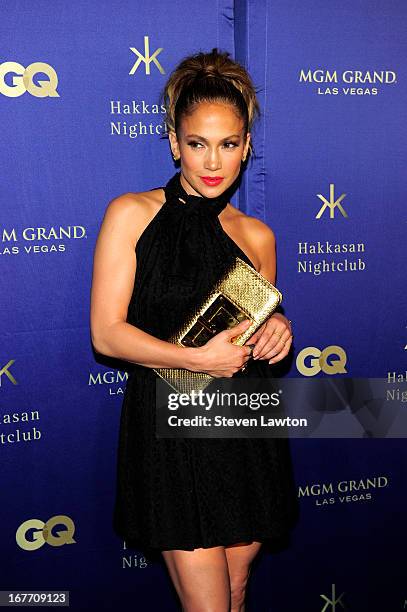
(175,193)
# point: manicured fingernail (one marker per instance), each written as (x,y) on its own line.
(271,361)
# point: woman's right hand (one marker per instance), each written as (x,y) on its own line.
(219,357)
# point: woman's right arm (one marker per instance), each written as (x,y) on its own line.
(114,267)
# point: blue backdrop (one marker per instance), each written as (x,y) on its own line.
(81,124)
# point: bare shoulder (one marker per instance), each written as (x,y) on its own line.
(255,238)
(249,228)
(131,212)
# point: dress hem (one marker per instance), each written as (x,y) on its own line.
(133,541)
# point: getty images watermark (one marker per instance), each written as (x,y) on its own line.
(224,399)
(326,407)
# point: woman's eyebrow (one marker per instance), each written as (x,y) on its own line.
(204,139)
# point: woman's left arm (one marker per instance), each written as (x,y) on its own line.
(274,338)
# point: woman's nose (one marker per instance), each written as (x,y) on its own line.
(212,160)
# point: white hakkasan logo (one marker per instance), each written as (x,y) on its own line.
(146,58)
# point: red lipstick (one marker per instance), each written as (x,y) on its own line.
(212,181)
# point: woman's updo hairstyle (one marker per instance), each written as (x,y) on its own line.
(209,77)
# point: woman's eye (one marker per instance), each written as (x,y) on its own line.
(227,145)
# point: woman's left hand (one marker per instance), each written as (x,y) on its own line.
(273,339)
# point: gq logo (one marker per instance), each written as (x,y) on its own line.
(321,360)
(23,80)
(42,532)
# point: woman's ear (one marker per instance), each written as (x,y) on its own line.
(246,146)
(174,144)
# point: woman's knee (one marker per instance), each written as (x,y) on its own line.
(201,579)
(239,560)
(238,584)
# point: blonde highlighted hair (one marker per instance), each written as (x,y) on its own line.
(209,77)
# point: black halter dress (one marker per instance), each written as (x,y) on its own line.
(191,493)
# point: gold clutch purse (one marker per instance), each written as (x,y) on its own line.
(242,293)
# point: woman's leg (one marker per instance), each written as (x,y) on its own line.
(201,578)
(239,558)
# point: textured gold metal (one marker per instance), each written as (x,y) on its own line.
(242,293)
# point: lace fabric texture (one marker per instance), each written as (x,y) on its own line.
(191,493)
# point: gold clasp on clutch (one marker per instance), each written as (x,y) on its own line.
(221,314)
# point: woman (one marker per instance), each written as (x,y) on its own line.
(206,504)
